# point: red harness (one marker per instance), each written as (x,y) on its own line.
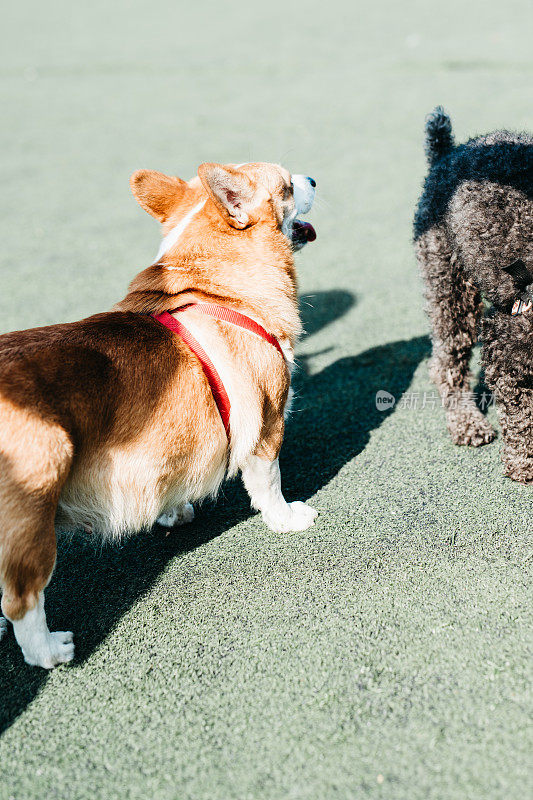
(227,315)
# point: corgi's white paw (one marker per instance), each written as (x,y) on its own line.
(296,516)
(180,515)
(57,648)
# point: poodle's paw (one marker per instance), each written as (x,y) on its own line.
(56,648)
(470,428)
(522,473)
(180,515)
(295,516)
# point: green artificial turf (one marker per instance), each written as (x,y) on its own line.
(386,652)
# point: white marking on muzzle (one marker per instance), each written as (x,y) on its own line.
(173,235)
(304,194)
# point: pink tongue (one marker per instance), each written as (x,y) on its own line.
(309,231)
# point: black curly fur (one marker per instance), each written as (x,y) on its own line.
(473,222)
(506,160)
(439,136)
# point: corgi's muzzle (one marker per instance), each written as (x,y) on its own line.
(304,195)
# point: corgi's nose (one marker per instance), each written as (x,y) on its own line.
(312,182)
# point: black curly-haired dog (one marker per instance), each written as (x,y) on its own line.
(474,238)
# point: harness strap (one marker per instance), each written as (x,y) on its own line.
(522,279)
(215,381)
(521,306)
(235,318)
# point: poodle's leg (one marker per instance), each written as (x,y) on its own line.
(515,412)
(506,355)
(454,307)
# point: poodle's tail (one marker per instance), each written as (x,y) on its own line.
(439,136)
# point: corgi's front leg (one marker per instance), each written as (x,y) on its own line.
(262,479)
(180,515)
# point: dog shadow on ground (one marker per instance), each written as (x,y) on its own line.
(94,585)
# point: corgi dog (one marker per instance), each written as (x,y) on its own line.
(130,416)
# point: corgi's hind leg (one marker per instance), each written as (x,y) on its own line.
(40,647)
(27,565)
(35,460)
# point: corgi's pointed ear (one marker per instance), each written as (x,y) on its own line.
(157,193)
(234,193)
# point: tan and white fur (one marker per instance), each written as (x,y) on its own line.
(110,423)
